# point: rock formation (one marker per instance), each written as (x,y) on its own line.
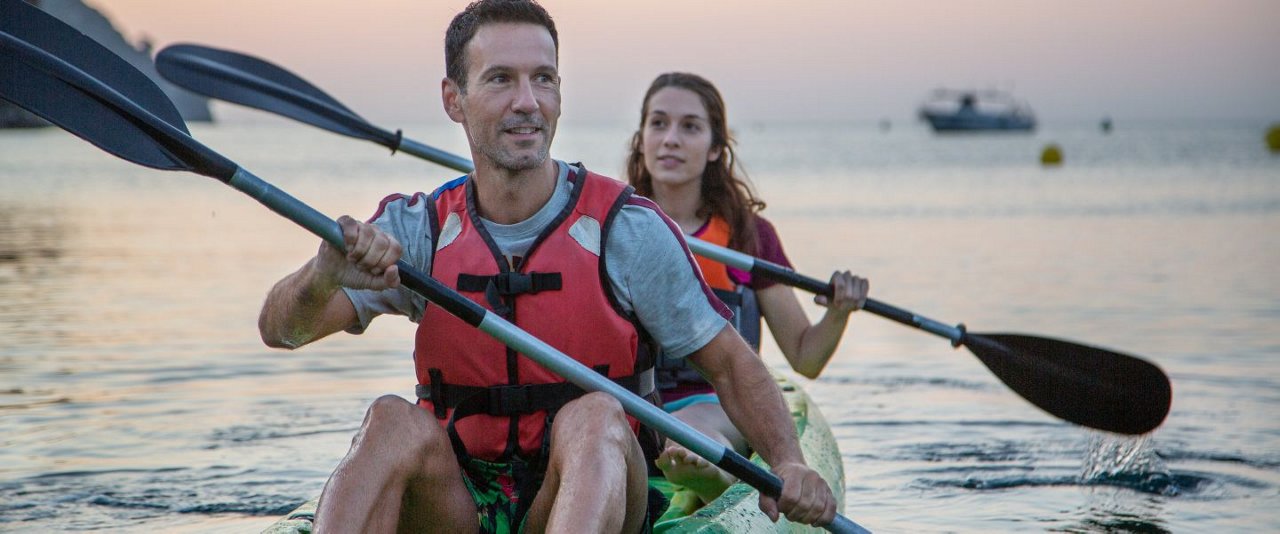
(193,107)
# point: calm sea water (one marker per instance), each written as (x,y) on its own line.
(136,396)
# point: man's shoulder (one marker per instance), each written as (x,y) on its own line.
(396,204)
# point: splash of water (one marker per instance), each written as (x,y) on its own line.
(1130,462)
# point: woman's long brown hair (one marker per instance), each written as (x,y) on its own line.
(726,192)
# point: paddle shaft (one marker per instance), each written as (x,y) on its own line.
(525,343)
(489,323)
(203,160)
(778,273)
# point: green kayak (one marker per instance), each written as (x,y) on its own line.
(735,511)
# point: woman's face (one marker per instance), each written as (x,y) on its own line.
(676,138)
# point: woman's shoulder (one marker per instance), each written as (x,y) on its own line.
(764,228)
(769,245)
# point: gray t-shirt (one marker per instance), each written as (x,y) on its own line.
(651,273)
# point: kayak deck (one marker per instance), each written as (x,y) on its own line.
(737,510)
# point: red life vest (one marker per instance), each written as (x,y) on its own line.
(494,401)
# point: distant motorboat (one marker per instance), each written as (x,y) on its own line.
(962,111)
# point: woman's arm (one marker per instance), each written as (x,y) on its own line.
(808,347)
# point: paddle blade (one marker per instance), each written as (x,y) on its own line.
(1086,385)
(51,68)
(255,83)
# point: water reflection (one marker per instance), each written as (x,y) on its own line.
(32,254)
(134,390)
(1119,522)
(28,237)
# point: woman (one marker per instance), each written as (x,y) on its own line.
(682,157)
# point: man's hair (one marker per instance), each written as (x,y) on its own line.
(479,13)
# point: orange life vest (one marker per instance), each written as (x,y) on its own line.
(495,402)
(716,274)
(675,373)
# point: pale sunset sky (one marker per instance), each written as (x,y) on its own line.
(850,60)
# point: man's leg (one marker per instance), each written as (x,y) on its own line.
(596,477)
(400,469)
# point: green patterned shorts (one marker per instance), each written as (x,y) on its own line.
(496,488)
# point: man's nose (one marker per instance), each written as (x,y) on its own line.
(525,101)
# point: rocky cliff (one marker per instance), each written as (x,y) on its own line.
(193,107)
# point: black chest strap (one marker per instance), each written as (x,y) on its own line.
(510,283)
(500,288)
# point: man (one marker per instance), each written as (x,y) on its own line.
(497,443)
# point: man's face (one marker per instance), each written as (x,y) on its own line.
(512,98)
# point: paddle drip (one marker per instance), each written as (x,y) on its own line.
(1130,462)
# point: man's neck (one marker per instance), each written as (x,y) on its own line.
(508,197)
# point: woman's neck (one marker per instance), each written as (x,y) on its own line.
(682,204)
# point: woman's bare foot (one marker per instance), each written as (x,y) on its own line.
(681,466)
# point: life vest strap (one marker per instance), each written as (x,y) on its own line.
(510,283)
(520,399)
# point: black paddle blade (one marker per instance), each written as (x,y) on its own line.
(1086,385)
(40,57)
(255,83)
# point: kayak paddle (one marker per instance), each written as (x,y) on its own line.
(1086,385)
(251,82)
(65,77)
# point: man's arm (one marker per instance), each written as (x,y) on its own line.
(751,399)
(309,304)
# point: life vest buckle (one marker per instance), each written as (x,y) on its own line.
(509,400)
(511,283)
(521,283)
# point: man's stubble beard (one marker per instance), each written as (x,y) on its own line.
(508,160)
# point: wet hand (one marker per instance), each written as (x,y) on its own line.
(370,260)
(805,498)
(849,293)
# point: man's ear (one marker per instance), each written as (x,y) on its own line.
(451,96)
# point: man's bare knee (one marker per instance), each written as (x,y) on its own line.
(393,423)
(594,415)
(387,413)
